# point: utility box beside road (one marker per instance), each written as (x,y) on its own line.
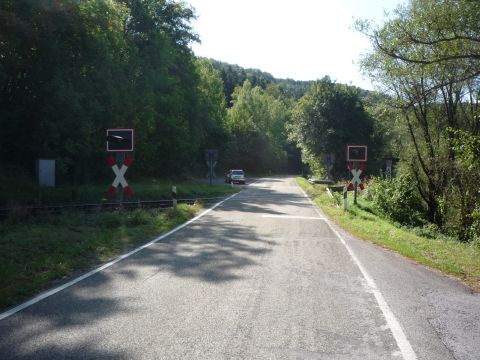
(45,171)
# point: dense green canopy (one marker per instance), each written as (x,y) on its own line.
(427,58)
(325,120)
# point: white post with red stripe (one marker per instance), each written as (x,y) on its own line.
(174,197)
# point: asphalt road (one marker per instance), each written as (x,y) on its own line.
(262,276)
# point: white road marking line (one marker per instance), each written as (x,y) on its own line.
(105,266)
(403,344)
(294,217)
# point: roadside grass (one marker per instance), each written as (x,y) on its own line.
(22,192)
(184,190)
(461,260)
(38,251)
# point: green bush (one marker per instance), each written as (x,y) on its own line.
(110,220)
(396,199)
(475,229)
(138,217)
(337,197)
(430,231)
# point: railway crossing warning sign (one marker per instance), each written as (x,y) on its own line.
(120,176)
(120,140)
(356,159)
(356,181)
(211,155)
(357,153)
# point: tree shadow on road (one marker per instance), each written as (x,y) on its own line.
(46,329)
(214,250)
(209,250)
(266,200)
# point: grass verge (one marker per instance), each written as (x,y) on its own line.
(39,251)
(18,192)
(451,257)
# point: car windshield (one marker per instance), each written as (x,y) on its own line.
(237,172)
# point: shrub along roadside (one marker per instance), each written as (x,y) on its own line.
(397,200)
(451,257)
(41,250)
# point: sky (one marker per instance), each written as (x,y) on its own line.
(301,39)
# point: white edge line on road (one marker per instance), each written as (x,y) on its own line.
(107,265)
(294,217)
(403,344)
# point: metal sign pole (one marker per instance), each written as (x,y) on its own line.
(211,155)
(355,186)
(388,171)
(122,142)
(120,158)
(210,163)
(356,169)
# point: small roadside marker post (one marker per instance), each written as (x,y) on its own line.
(345,197)
(174,196)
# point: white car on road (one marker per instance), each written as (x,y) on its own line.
(235,176)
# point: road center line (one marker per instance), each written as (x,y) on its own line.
(403,344)
(107,265)
(294,217)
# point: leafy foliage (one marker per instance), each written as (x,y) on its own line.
(467,146)
(327,118)
(397,199)
(256,122)
(234,75)
(426,58)
(71,69)
(466,210)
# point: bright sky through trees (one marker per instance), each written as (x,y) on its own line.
(302,39)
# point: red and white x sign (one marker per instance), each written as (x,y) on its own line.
(356,176)
(119,176)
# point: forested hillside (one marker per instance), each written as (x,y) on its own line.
(234,75)
(71,69)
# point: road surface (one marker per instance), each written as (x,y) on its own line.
(264,275)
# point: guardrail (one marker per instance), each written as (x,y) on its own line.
(318,181)
(162,204)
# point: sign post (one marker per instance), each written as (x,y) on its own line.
(211,155)
(356,169)
(119,175)
(329,161)
(120,142)
(356,158)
